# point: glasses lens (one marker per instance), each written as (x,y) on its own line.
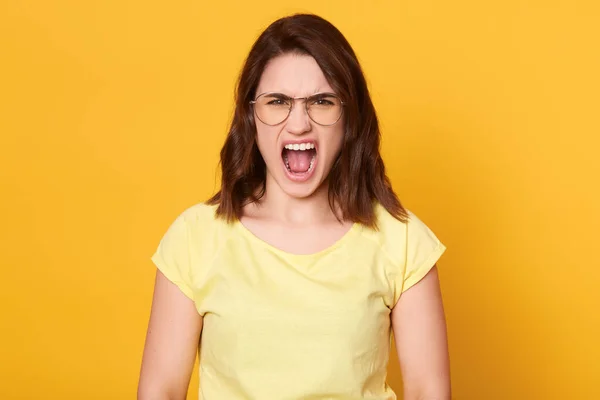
(324,109)
(272,109)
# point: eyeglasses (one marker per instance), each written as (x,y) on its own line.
(274,108)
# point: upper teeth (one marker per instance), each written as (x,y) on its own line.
(301,146)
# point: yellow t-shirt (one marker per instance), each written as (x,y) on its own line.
(281,326)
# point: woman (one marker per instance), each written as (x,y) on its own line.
(293,274)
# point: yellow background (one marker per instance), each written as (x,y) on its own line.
(112,114)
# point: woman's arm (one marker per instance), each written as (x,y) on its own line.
(420,333)
(171,344)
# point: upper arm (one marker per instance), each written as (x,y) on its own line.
(175,324)
(171,343)
(420,334)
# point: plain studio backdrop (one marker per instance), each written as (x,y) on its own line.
(112,114)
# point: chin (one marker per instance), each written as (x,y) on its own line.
(299,190)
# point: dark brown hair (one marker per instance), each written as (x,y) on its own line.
(357,179)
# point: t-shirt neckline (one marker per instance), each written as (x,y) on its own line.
(246,232)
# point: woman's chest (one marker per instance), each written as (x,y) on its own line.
(262,294)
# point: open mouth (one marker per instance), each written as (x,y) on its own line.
(299,158)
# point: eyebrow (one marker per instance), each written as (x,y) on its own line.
(277,94)
(283,95)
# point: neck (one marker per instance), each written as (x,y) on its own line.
(298,211)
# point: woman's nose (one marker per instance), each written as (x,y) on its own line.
(298,121)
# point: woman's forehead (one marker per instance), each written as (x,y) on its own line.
(293,75)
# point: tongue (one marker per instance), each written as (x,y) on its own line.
(299,161)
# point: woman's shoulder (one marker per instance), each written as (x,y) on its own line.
(396,235)
(196,230)
(411,245)
(198,222)
(200,213)
(387,223)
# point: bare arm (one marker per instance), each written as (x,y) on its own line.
(171,344)
(420,333)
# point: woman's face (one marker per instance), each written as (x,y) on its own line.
(298,152)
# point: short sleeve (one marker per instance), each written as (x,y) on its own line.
(423,250)
(172,257)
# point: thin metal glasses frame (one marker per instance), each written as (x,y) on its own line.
(293,103)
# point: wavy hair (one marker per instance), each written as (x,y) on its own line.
(357,179)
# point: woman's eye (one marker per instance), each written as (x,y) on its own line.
(323,102)
(277,102)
